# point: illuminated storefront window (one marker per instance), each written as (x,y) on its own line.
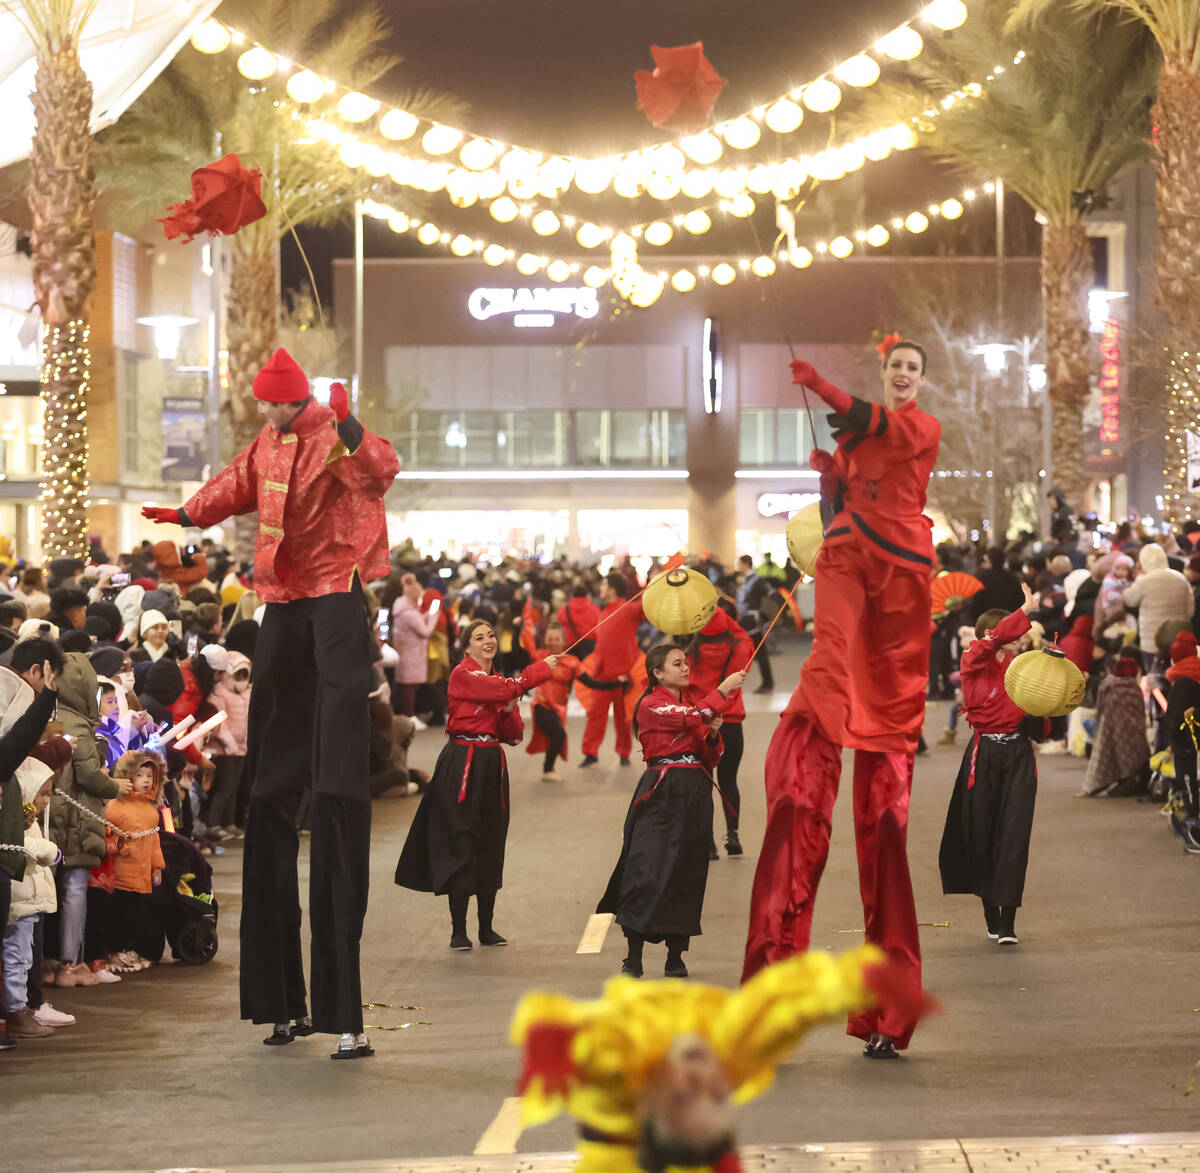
(780,437)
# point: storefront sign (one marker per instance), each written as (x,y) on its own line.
(783,504)
(184,427)
(1110,382)
(534,307)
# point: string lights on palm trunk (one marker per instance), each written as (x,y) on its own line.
(66,376)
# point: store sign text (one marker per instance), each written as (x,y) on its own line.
(1110,382)
(534,307)
(783,504)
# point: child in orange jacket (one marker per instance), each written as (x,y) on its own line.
(138,860)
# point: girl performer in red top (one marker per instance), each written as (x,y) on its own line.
(455,846)
(657,888)
(721,647)
(985,846)
(862,686)
(550,699)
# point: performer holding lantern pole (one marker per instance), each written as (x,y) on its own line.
(863,686)
(317,478)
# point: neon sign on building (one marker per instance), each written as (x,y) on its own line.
(1110,382)
(534,307)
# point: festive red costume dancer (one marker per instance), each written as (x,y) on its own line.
(611,668)
(317,478)
(863,686)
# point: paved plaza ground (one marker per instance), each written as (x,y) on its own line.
(1091,1026)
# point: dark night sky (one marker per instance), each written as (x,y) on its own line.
(557,75)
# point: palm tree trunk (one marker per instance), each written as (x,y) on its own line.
(61,198)
(1067,274)
(1176,119)
(252,325)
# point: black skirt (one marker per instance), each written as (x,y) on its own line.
(657,887)
(458,847)
(985,846)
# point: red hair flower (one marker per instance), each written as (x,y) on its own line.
(889,340)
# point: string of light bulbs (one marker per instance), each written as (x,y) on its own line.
(67,365)
(1183,412)
(542,174)
(684,278)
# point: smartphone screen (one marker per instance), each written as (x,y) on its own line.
(119,580)
(435,606)
(382,620)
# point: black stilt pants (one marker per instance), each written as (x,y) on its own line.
(309,730)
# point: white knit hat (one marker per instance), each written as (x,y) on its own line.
(149,619)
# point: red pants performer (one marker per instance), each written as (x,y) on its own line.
(317,478)
(863,686)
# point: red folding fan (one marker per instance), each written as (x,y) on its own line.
(950,591)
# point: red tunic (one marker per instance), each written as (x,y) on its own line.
(881,468)
(669,726)
(986,704)
(715,659)
(578,618)
(477,700)
(616,640)
(553,693)
(320,506)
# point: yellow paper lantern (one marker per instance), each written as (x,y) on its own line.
(680,602)
(805,533)
(1044,683)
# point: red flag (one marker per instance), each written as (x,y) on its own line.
(225,197)
(682,90)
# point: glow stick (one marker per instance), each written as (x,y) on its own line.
(176,730)
(201,730)
(1162,700)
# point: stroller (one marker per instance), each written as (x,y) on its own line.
(187,906)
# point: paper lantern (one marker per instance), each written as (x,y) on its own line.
(1044,683)
(681,602)
(805,533)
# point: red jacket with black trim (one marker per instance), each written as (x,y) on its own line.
(723,647)
(320,506)
(670,725)
(477,701)
(879,480)
(616,639)
(986,704)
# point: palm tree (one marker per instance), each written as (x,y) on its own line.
(201,107)
(1058,130)
(61,198)
(1175,27)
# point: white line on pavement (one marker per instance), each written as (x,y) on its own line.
(594,933)
(502,1134)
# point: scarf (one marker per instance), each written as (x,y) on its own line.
(1188,668)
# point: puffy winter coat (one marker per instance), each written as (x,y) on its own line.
(410,637)
(233,698)
(81,839)
(23,717)
(36,892)
(137,860)
(722,647)
(1159,594)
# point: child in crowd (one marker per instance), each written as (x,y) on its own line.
(550,699)
(121,728)
(226,745)
(138,859)
(985,844)
(32,897)
(1120,761)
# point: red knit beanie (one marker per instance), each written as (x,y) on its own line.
(1184,646)
(281,380)
(55,752)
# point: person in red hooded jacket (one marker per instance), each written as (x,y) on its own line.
(455,845)
(863,686)
(610,669)
(316,477)
(720,647)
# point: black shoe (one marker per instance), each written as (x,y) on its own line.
(353,1047)
(280,1036)
(632,966)
(880,1047)
(733,845)
(713,853)
(675,967)
(589,759)
(302,1028)
(991,915)
(460,941)
(491,937)
(625,762)
(1006,932)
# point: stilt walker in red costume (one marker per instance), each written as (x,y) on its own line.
(317,478)
(863,687)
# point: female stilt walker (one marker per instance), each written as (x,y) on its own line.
(720,647)
(455,846)
(863,686)
(657,888)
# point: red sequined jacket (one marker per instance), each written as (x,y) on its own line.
(477,701)
(669,725)
(320,506)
